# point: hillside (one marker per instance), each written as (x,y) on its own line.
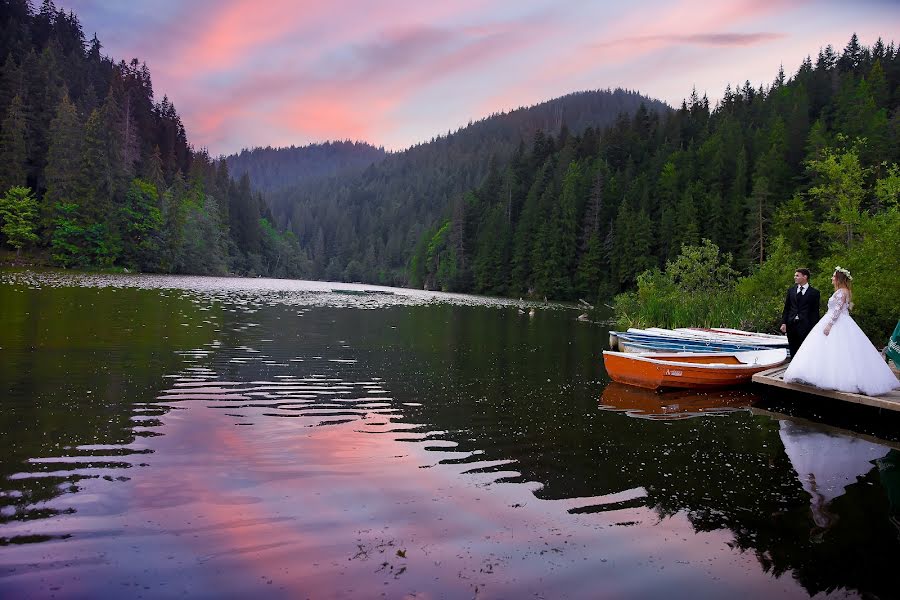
(270,168)
(366,227)
(803,171)
(95,172)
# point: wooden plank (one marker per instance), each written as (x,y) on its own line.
(775,378)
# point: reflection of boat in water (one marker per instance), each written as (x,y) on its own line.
(682,404)
(690,370)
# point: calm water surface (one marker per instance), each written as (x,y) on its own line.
(211,438)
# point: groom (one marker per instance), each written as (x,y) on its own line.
(801,310)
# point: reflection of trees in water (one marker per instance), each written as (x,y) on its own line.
(76,360)
(505,391)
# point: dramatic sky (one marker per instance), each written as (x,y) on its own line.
(246,73)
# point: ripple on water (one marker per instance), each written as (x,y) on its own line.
(315,401)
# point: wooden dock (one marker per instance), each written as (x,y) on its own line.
(775,377)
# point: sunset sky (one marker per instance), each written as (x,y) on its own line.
(245,73)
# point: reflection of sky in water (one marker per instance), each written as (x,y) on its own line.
(306,450)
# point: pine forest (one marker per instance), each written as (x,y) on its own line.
(96,172)
(583,197)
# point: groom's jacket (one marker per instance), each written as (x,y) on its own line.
(801,310)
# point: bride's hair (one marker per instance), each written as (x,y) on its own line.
(843,281)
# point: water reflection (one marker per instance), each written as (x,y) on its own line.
(227,440)
(648,404)
(72,360)
(826,465)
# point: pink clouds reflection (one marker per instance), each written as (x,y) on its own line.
(349,511)
(244,73)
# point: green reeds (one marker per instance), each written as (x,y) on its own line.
(712,308)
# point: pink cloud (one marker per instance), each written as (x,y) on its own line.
(637,35)
(366,87)
(244,73)
(324,117)
(230,33)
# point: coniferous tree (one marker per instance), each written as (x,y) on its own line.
(758,218)
(81,156)
(10,83)
(528,227)
(96,180)
(687,227)
(13,147)
(63,160)
(570,198)
(153,170)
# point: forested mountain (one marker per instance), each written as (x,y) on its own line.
(806,160)
(576,197)
(95,172)
(270,168)
(366,227)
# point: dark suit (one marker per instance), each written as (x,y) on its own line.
(801,313)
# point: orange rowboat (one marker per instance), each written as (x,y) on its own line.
(688,370)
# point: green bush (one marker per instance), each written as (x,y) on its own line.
(697,289)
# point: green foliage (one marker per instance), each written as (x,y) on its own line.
(76,243)
(763,290)
(657,303)
(839,190)
(441,264)
(696,289)
(282,255)
(777,178)
(887,188)
(142,227)
(63,159)
(392,203)
(80,156)
(873,260)
(701,269)
(204,242)
(633,243)
(795,223)
(18,214)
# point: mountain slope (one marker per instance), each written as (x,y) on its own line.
(366,227)
(274,168)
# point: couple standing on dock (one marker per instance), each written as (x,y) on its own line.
(831,352)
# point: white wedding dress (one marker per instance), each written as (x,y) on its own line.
(845,359)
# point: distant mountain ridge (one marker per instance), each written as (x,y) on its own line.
(366,225)
(273,168)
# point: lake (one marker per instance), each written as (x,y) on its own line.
(223,437)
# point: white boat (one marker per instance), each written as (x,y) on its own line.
(709,335)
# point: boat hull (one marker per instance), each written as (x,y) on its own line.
(711,371)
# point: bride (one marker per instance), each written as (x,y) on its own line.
(837,355)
